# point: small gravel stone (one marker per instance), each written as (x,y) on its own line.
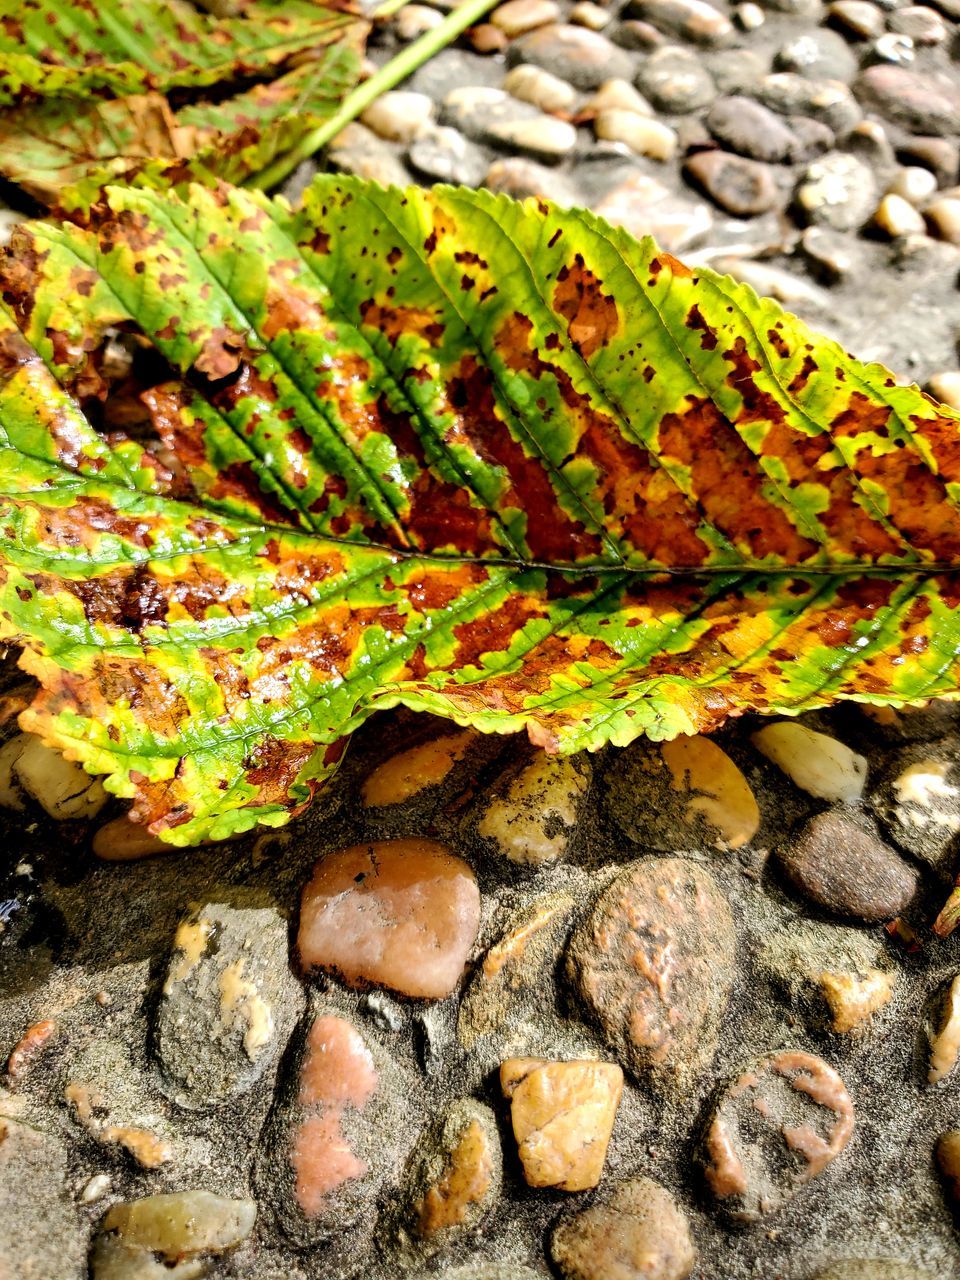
(453,68)
(675,80)
(357,149)
(749,16)
(828,101)
(939,155)
(693,20)
(617,95)
(922,25)
(664,912)
(531,817)
(926,102)
(772,282)
(414,20)
(398,116)
(869,141)
(582,57)
(644,136)
(588,14)
(736,70)
(918,800)
(948,1161)
(517,16)
(946,387)
(485,38)
(399,913)
(943,1032)
(897,217)
(562,1116)
(521,178)
(636,1232)
(645,206)
(944,217)
(914,184)
(845,867)
(832,254)
(634,34)
(445,155)
(742,187)
(775,1128)
(163,1234)
(227,1004)
(751,129)
(819,55)
(859,17)
(534,85)
(893,49)
(817,763)
(837,191)
(543,138)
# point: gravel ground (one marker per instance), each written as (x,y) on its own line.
(738,929)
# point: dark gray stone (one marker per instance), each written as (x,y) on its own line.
(751,129)
(819,55)
(445,155)
(918,800)
(675,80)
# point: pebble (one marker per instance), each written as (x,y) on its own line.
(736,70)
(544,138)
(837,862)
(521,178)
(485,38)
(742,187)
(399,116)
(948,1161)
(775,1128)
(588,14)
(675,80)
(945,387)
(402,914)
(837,191)
(828,101)
(833,978)
(820,54)
(227,1004)
(869,141)
(617,95)
(121,840)
(773,282)
(819,764)
(644,136)
(64,790)
(357,149)
(663,916)
(694,20)
(913,184)
(938,155)
(415,20)
(918,800)
(532,817)
(859,17)
(944,1033)
(445,155)
(894,49)
(517,16)
(644,206)
(177,1226)
(944,217)
(896,216)
(925,102)
(922,25)
(493,116)
(40,1234)
(452,68)
(562,1116)
(582,57)
(749,16)
(636,1232)
(534,85)
(634,34)
(751,129)
(832,254)
(451,1182)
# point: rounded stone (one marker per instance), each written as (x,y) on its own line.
(926,102)
(828,101)
(774,1128)
(693,20)
(645,137)
(750,129)
(918,801)
(401,914)
(837,191)
(837,862)
(532,84)
(445,155)
(659,917)
(636,1232)
(531,816)
(944,217)
(582,57)
(742,187)
(859,17)
(820,55)
(914,184)
(945,386)
(675,80)
(922,24)
(398,116)
(896,216)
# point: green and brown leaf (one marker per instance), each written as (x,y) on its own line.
(163,92)
(490,460)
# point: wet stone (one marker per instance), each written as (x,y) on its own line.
(833,978)
(818,763)
(562,1116)
(838,862)
(740,186)
(531,817)
(819,55)
(451,1182)
(166,1235)
(675,80)
(228,1002)
(402,914)
(751,129)
(828,101)
(38,1225)
(918,801)
(774,1128)
(694,20)
(644,206)
(445,155)
(636,1232)
(582,57)
(925,102)
(112,1099)
(653,963)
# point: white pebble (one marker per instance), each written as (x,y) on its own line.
(97,1187)
(593,16)
(398,115)
(946,387)
(645,137)
(913,183)
(817,763)
(619,95)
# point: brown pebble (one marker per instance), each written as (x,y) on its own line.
(29,1047)
(636,1233)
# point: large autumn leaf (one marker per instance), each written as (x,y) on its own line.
(87,85)
(495,461)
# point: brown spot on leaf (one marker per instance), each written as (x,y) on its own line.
(591,315)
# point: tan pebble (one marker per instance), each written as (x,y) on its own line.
(897,217)
(149,1150)
(945,1038)
(182,1223)
(532,84)
(853,998)
(749,16)
(645,137)
(463,1184)
(948,1158)
(401,914)
(946,387)
(517,16)
(944,218)
(618,95)
(62,788)
(398,115)
(486,38)
(636,1233)
(817,763)
(547,136)
(409,772)
(533,819)
(124,841)
(11,794)
(721,795)
(914,184)
(593,16)
(562,1115)
(413,20)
